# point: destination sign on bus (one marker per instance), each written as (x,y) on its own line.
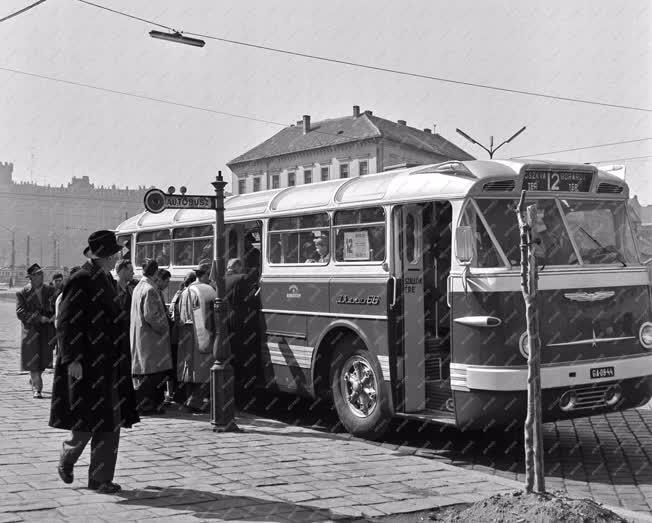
(557,181)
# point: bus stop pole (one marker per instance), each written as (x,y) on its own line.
(222,390)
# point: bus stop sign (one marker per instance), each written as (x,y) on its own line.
(156,201)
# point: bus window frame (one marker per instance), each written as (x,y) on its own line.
(153,242)
(336,228)
(269,231)
(192,238)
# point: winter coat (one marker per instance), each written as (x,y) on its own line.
(197,334)
(38,339)
(90,333)
(150,331)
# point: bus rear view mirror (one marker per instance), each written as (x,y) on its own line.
(464,244)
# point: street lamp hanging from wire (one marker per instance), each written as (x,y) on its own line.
(177,36)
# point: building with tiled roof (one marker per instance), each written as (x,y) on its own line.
(355,145)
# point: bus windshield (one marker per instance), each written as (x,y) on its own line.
(567,232)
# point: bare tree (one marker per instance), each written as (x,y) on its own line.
(534,476)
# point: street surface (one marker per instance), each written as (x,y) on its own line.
(292,466)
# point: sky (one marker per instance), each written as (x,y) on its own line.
(51,131)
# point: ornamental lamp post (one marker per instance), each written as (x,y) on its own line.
(222,390)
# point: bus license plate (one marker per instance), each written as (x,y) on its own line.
(603,372)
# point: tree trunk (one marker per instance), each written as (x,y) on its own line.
(534,474)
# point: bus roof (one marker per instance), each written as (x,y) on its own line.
(446,181)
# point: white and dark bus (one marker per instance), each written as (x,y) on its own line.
(416,310)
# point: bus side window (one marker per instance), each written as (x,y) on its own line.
(153,245)
(360,235)
(192,245)
(291,239)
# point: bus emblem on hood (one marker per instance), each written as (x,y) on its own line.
(589,296)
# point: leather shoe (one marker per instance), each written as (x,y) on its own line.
(104,488)
(37,395)
(66,473)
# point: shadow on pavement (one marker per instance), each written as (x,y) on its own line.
(210,505)
(611,448)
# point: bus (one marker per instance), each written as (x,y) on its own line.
(416,310)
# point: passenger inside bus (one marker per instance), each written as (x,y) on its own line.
(251,258)
(321,246)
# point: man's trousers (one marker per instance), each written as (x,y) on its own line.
(104,453)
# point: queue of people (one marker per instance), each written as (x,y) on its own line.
(119,348)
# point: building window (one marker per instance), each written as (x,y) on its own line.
(292,179)
(275,181)
(257,184)
(241,186)
(344,170)
(307,176)
(364,167)
(325,174)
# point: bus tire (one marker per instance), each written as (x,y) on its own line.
(359,392)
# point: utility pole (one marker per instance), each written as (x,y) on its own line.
(491,149)
(13,258)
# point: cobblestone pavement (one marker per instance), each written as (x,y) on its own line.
(290,467)
(175,468)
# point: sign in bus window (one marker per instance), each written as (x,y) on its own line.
(356,245)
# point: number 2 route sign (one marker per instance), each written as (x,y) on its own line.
(157,201)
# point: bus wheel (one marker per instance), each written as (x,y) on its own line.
(358,393)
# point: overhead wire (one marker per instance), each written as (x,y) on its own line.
(21,10)
(261,120)
(580,148)
(623,159)
(374,67)
(163,100)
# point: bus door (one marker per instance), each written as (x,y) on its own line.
(409,275)
(422,267)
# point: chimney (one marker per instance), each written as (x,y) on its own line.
(306,123)
(356,111)
(401,122)
(368,113)
(434,128)
(427,130)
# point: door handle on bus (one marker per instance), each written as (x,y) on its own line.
(394,284)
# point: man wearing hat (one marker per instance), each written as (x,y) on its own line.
(34,308)
(196,338)
(92,394)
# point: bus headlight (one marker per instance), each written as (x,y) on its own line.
(522,345)
(645,335)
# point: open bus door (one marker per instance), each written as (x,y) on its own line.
(422,265)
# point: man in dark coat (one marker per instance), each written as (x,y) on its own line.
(92,393)
(35,310)
(242,325)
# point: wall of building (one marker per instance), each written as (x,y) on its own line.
(58,220)
(395,153)
(333,157)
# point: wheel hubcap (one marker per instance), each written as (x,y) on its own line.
(359,386)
